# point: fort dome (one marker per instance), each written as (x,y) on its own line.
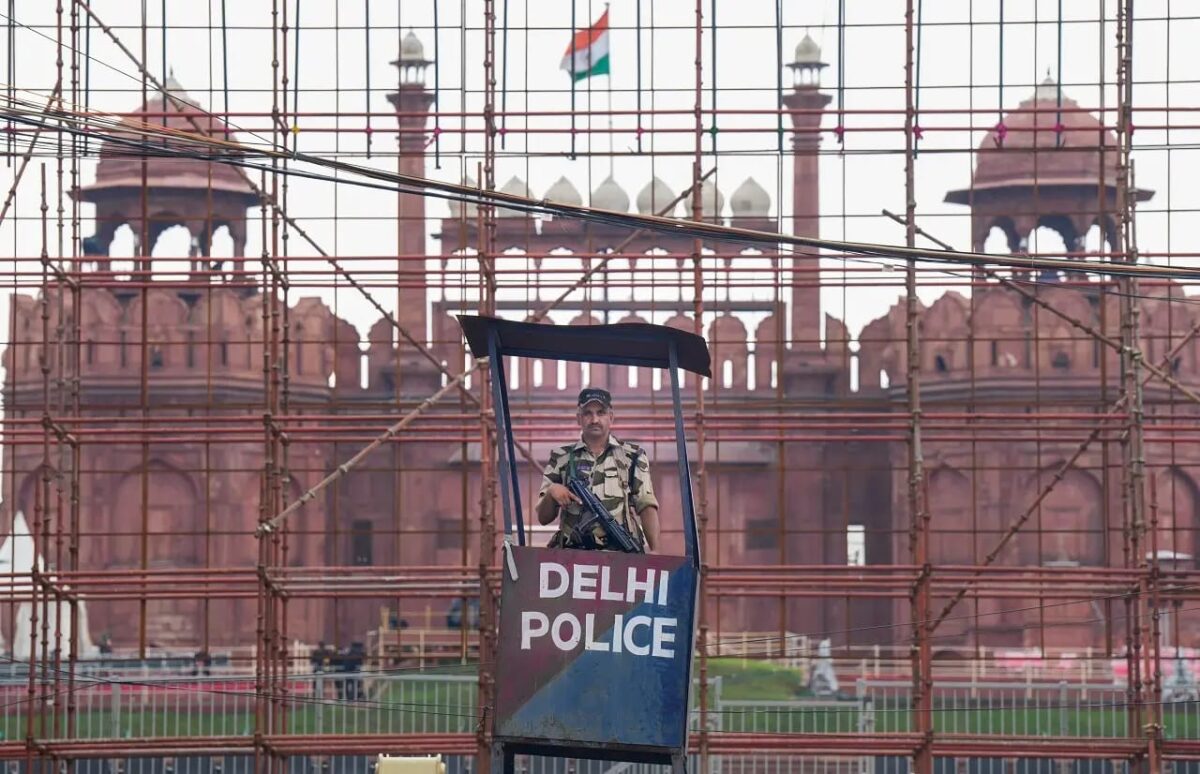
(711,199)
(609,195)
(1045,143)
(517,187)
(655,197)
(120,164)
(750,200)
(807,51)
(456,206)
(564,192)
(412,51)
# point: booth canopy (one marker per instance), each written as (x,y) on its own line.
(633,344)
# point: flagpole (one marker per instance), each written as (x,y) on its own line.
(571,72)
(608,95)
(638,88)
(503,76)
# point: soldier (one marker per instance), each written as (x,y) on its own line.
(619,474)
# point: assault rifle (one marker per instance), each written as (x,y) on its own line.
(595,513)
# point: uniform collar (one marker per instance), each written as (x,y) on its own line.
(581,446)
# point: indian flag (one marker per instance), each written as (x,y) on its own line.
(588,53)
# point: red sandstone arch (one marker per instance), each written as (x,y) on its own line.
(1070,520)
(1058,341)
(1163,323)
(727,342)
(682,322)
(380,353)
(163,306)
(1067,531)
(536,373)
(944,328)
(950,517)
(171,524)
(19,355)
(1000,333)
(837,338)
(951,537)
(100,324)
(447,340)
(311,346)
(881,348)
(220,323)
(1174,504)
(174,538)
(347,356)
(100,307)
(166,342)
(643,377)
(575,380)
(984,227)
(769,347)
(29,497)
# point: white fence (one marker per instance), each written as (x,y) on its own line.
(147,705)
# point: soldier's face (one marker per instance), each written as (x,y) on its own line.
(595,420)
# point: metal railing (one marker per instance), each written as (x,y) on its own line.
(1030,709)
(147,705)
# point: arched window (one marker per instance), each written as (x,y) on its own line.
(171,253)
(173,538)
(1045,240)
(122,250)
(222,243)
(1071,520)
(997,241)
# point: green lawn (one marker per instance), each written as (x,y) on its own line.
(432,718)
(753,694)
(755,680)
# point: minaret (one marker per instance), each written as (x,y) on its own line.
(412,102)
(808,102)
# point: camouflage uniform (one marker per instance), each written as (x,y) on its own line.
(610,482)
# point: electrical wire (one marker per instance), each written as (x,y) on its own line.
(198,147)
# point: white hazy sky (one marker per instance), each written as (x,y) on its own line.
(960,68)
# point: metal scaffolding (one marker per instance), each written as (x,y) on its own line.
(975,504)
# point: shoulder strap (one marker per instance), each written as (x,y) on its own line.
(634,518)
(633,461)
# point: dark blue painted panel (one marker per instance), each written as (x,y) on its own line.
(551,688)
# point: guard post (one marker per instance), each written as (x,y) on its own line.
(595,647)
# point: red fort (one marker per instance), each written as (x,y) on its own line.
(787,502)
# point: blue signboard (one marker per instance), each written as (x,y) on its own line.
(596,648)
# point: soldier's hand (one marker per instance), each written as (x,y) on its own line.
(561,495)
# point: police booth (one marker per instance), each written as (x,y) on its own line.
(594,656)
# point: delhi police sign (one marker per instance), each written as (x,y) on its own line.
(595,582)
(596,647)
